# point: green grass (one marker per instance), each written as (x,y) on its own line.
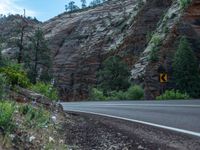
(45,89)
(6,113)
(173,95)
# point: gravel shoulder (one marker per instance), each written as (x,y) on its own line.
(91,132)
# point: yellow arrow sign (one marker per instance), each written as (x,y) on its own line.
(163,78)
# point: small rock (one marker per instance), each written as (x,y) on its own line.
(140,147)
(61,141)
(54,118)
(51,140)
(31,138)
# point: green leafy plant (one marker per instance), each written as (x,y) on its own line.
(154,54)
(15,75)
(97,94)
(2,86)
(155,48)
(35,116)
(184,3)
(6,112)
(135,93)
(173,95)
(46,89)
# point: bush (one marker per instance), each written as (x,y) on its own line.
(97,94)
(34,117)
(6,112)
(135,93)
(45,89)
(114,76)
(2,86)
(173,95)
(184,3)
(15,75)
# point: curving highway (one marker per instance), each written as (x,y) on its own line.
(180,116)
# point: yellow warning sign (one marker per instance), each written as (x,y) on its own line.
(163,78)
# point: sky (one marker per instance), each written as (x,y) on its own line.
(41,9)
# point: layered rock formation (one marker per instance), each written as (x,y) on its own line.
(180,23)
(81,41)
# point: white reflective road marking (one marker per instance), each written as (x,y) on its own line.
(153,105)
(142,122)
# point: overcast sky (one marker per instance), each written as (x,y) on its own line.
(41,9)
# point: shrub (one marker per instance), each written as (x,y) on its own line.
(15,75)
(45,89)
(6,112)
(135,93)
(184,3)
(114,76)
(97,94)
(34,117)
(173,95)
(2,86)
(154,54)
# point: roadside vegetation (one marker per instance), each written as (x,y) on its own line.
(173,95)
(185,73)
(28,124)
(113,82)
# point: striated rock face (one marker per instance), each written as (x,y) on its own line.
(187,25)
(81,41)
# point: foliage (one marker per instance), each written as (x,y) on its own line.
(172,95)
(154,51)
(71,6)
(6,112)
(38,60)
(185,70)
(2,86)
(114,76)
(34,116)
(97,94)
(184,3)
(153,54)
(135,93)
(15,75)
(45,89)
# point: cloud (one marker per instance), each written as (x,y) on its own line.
(11,6)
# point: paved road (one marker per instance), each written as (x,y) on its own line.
(182,116)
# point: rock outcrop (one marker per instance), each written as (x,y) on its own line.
(80,41)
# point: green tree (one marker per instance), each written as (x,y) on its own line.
(83,3)
(71,7)
(38,60)
(22,25)
(114,75)
(185,68)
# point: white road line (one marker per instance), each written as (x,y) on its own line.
(142,122)
(152,105)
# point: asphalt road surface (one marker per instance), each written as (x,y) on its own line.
(180,116)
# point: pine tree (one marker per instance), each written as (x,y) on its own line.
(83,3)
(38,59)
(185,68)
(114,75)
